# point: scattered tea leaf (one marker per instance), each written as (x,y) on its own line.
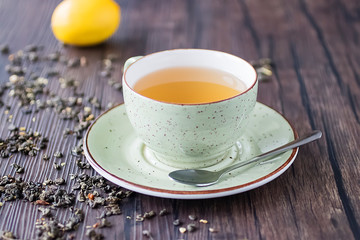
(147,234)
(45,212)
(41,202)
(59,181)
(191,227)
(192,217)
(93,235)
(149,215)
(212,230)
(163,212)
(56,166)
(73,62)
(7,235)
(203,221)
(4,49)
(58,154)
(18,168)
(176,222)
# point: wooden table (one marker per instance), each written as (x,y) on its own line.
(315,46)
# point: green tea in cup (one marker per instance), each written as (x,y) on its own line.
(189,85)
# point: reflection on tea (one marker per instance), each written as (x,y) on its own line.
(189,85)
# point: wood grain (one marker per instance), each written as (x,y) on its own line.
(316,85)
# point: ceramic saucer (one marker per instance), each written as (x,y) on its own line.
(114,151)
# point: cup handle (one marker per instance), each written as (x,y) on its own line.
(131,61)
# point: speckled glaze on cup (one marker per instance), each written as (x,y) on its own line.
(189,135)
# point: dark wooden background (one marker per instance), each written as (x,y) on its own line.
(315,46)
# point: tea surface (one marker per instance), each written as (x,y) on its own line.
(189,85)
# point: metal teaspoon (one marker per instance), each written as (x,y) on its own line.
(202,178)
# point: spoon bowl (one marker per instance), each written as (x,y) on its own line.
(202,178)
(198,177)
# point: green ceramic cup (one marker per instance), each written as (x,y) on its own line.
(189,135)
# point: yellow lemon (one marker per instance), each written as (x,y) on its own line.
(85,22)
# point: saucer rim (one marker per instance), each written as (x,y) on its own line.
(186,194)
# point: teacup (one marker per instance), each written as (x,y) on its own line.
(193,135)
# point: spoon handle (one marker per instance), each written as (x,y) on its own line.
(293,144)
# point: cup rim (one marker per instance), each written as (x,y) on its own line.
(191,104)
